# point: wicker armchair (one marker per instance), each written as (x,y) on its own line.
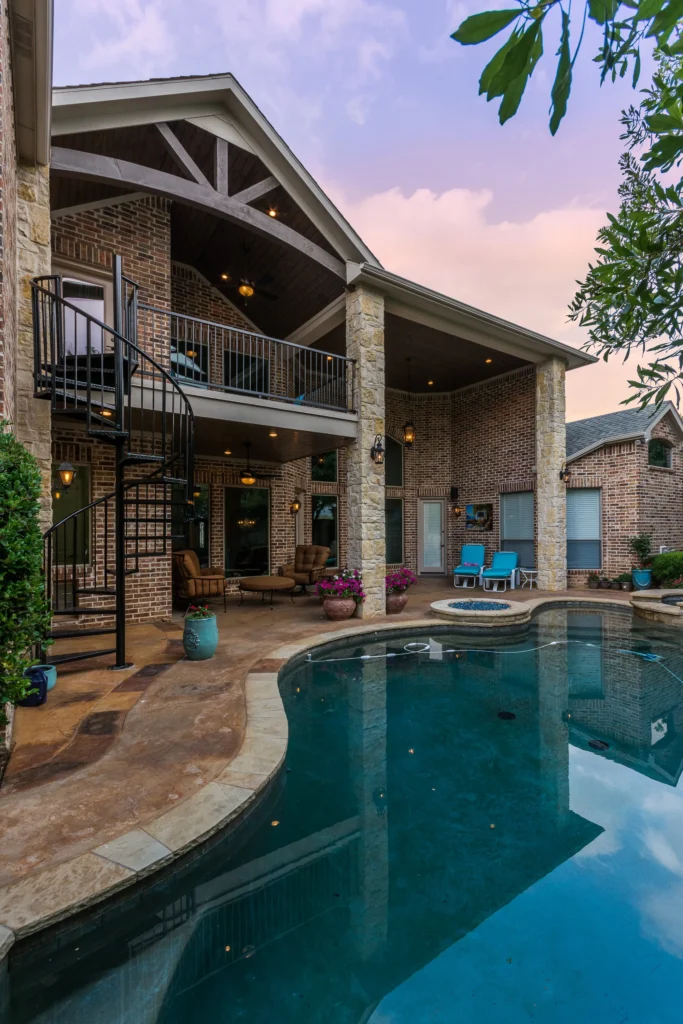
(191,583)
(308,566)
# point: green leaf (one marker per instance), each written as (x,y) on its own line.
(516,59)
(479,27)
(495,64)
(648,9)
(563,79)
(513,95)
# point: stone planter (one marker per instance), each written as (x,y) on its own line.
(396,602)
(593,584)
(338,608)
(605,584)
(627,586)
(200,638)
(615,585)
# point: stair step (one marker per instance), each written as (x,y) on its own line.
(75,612)
(67,634)
(172,480)
(96,590)
(60,659)
(108,435)
(138,457)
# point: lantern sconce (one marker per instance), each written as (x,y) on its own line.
(295,506)
(377,451)
(564,475)
(66,474)
(455,507)
(409,434)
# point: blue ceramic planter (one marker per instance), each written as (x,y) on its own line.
(642,578)
(200,638)
(51,673)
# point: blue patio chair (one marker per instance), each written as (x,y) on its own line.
(468,572)
(503,570)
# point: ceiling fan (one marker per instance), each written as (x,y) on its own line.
(245,285)
(248,475)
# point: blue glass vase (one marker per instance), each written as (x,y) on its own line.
(200,638)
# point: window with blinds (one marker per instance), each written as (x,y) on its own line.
(584,545)
(517,526)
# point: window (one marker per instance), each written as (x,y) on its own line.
(393,529)
(325,523)
(584,547)
(393,463)
(659,453)
(246,373)
(247,531)
(192,534)
(324,467)
(78,332)
(517,526)
(76,537)
(189,361)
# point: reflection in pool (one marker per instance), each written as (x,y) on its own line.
(423,857)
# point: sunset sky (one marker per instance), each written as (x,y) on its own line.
(382,108)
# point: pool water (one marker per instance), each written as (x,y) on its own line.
(422,857)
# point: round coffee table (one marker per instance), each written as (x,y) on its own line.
(262,584)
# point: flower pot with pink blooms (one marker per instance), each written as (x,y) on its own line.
(341,595)
(397,584)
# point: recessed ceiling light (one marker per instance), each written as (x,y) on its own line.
(272,433)
(272,212)
(227,452)
(330,358)
(489,360)
(430,382)
(225,277)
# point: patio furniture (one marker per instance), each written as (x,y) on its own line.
(502,571)
(262,584)
(468,573)
(192,583)
(308,567)
(528,578)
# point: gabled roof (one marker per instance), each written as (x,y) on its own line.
(219,104)
(584,436)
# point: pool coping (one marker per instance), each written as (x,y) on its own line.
(44,898)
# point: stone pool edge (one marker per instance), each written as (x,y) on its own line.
(47,897)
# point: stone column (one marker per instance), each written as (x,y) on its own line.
(33,417)
(551,492)
(366,543)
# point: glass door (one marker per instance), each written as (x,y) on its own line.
(247,531)
(432,545)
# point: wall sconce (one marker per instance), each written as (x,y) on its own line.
(66,474)
(564,475)
(377,451)
(408,434)
(295,506)
(455,507)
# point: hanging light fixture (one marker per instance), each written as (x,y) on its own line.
(246,289)
(66,474)
(409,426)
(246,476)
(295,506)
(377,451)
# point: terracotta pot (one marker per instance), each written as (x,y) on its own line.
(337,608)
(396,602)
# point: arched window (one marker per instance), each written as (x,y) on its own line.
(659,453)
(393,463)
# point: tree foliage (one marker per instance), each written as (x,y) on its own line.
(24,611)
(624,24)
(632,297)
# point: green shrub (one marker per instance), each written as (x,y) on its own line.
(667,567)
(624,577)
(641,546)
(24,612)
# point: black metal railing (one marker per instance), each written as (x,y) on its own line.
(204,354)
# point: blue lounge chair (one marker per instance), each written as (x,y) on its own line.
(503,570)
(468,572)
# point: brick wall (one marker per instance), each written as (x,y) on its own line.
(661,492)
(193,295)
(8,228)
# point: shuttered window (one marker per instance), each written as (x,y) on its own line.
(584,547)
(517,526)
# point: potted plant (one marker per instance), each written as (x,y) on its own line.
(200,636)
(397,584)
(605,583)
(616,583)
(625,581)
(593,580)
(341,594)
(641,546)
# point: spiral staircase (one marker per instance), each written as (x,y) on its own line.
(128,400)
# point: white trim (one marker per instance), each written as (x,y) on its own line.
(99,204)
(32,77)
(72,269)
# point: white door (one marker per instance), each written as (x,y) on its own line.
(432,541)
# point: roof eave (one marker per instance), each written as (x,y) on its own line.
(31,45)
(620,439)
(527,344)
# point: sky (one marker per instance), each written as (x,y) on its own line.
(382,108)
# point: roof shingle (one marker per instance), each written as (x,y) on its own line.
(600,429)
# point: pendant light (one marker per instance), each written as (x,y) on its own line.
(246,476)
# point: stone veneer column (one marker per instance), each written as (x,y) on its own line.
(366,543)
(33,417)
(551,492)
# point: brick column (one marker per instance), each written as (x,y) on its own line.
(33,417)
(551,492)
(366,545)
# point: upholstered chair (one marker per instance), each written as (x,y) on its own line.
(308,565)
(191,583)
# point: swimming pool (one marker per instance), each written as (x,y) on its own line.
(467,831)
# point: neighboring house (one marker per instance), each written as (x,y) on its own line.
(273,351)
(625,478)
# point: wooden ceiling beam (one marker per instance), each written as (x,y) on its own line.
(221,156)
(261,188)
(180,156)
(109,170)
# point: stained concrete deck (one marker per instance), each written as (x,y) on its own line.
(104,765)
